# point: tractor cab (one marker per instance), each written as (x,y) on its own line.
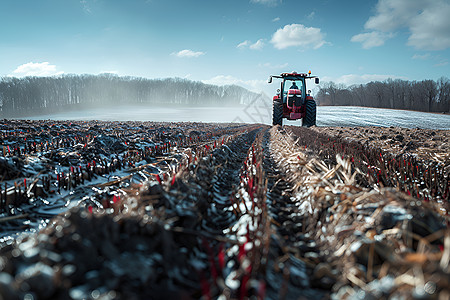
(292,101)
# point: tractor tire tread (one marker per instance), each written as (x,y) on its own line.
(277,117)
(310,115)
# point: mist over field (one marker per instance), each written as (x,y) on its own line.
(29,96)
(258,112)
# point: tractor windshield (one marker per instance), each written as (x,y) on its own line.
(296,85)
(289,85)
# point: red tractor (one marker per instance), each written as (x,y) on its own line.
(294,103)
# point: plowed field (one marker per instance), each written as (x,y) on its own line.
(142,210)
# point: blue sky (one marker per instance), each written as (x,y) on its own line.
(226,42)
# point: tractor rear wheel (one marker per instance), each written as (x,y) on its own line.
(277,117)
(310,116)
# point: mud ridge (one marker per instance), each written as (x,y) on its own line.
(141,210)
(374,240)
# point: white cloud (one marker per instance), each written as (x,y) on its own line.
(254,85)
(276,19)
(351,79)
(243,44)
(115,72)
(36,69)
(371,39)
(271,66)
(188,53)
(256,46)
(222,80)
(297,35)
(442,63)
(426,20)
(86,6)
(393,14)
(431,28)
(311,15)
(437,60)
(421,57)
(267,2)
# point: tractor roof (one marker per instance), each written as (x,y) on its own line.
(294,76)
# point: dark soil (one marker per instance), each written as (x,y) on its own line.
(141,210)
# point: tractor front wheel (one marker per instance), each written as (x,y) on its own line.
(310,115)
(277,117)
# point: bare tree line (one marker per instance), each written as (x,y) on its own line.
(425,95)
(34,95)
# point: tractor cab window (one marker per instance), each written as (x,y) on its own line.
(292,85)
(295,85)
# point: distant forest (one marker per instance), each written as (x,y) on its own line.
(34,95)
(425,95)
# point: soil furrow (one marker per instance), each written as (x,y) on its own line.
(292,255)
(372,240)
(220,211)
